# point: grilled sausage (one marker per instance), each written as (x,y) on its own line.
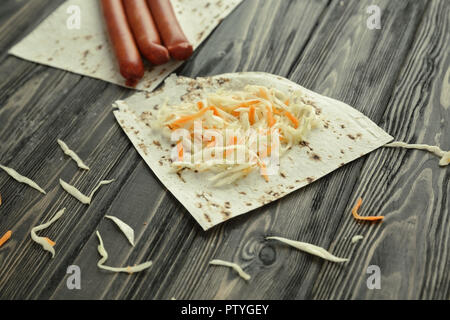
(125,49)
(145,31)
(170,30)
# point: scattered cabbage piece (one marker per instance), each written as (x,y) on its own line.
(43,241)
(73,155)
(357,238)
(444,155)
(74,192)
(126,229)
(104,256)
(233,265)
(15,175)
(310,248)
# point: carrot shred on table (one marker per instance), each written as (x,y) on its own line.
(50,242)
(0,199)
(5,237)
(358,217)
(293,119)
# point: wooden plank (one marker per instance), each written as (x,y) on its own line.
(412,246)
(18,18)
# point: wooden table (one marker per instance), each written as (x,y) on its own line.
(399,76)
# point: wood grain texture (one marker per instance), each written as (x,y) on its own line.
(412,245)
(398,76)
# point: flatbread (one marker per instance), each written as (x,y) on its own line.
(87,50)
(345,135)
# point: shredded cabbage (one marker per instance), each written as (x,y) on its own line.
(444,155)
(74,192)
(357,238)
(43,241)
(73,155)
(232,265)
(126,229)
(104,256)
(268,113)
(310,248)
(15,175)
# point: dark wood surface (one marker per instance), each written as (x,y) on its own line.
(399,76)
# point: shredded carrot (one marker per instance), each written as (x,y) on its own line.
(180,151)
(263,94)
(188,118)
(270,119)
(50,242)
(212,143)
(0,199)
(248,103)
(233,141)
(358,217)
(264,171)
(200,105)
(5,237)
(275,110)
(293,119)
(251,115)
(216,112)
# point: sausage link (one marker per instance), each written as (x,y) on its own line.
(170,30)
(125,49)
(145,32)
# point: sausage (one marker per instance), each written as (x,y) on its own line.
(170,30)
(125,48)
(145,32)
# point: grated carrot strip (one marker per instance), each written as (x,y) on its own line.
(264,171)
(358,217)
(5,237)
(270,119)
(50,242)
(251,115)
(275,110)
(263,94)
(180,151)
(293,119)
(189,118)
